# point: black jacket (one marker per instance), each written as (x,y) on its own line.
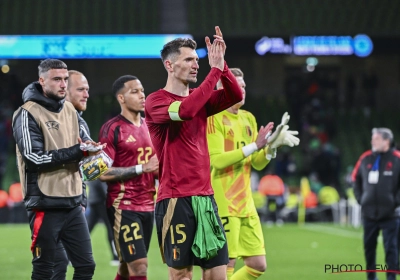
(34,199)
(378,201)
(84,128)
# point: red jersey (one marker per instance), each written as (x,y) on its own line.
(181,146)
(129,145)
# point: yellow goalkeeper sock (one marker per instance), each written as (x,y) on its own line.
(229,272)
(246,273)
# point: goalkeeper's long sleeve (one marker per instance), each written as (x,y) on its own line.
(258,159)
(225,159)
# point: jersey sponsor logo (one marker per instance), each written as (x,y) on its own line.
(130,139)
(52,124)
(231,133)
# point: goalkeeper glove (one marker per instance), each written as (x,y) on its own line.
(270,153)
(271,138)
(286,137)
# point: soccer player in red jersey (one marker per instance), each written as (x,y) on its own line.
(188,226)
(130,180)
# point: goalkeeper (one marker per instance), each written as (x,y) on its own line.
(235,146)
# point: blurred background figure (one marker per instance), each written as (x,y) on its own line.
(376,179)
(97,213)
(273,188)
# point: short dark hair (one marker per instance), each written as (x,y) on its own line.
(119,83)
(50,63)
(172,48)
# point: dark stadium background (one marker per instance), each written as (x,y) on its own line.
(334,107)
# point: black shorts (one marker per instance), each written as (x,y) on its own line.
(132,233)
(178,245)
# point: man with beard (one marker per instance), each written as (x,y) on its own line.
(48,134)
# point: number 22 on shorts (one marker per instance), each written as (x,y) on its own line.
(127,230)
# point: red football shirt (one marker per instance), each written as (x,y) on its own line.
(181,146)
(132,146)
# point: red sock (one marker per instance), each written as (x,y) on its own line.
(137,277)
(119,277)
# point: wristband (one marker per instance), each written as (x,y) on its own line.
(249,149)
(85,153)
(139,169)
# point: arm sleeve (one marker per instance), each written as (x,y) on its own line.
(357,181)
(108,138)
(258,159)
(215,137)
(30,143)
(84,132)
(226,97)
(398,192)
(163,110)
(84,195)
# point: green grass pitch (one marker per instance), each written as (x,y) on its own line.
(293,252)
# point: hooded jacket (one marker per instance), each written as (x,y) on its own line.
(378,201)
(46,132)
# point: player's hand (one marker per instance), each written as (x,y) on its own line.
(274,136)
(262,139)
(271,153)
(216,50)
(219,38)
(216,56)
(285,138)
(98,147)
(151,165)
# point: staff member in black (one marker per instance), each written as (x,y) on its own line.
(376,178)
(48,131)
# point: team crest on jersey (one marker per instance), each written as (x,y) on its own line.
(248,131)
(176,253)
(52,125)
(132,249)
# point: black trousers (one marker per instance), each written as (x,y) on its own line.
(390,231)
(69,226)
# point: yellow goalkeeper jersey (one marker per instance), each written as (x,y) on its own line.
(227,133)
